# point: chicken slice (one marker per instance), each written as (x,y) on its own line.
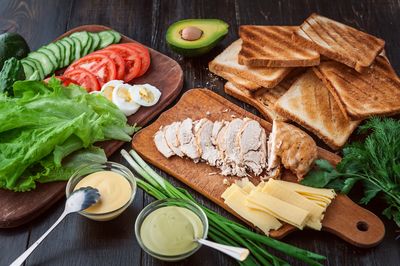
(217,126)
(170,133)
(161,144)
(187,140)
(252,141)
(232,158)
(296,149)
(208,151)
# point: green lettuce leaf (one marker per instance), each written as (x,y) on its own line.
(51,121)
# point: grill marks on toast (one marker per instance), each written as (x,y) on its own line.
(272,46)
(309,103)
(340,42)
(362,95)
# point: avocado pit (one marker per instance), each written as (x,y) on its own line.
(191,33)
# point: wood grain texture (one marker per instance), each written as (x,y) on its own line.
(146,21)
(164,73)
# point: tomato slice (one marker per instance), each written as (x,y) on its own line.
(118,60)
(83,78)
(133,62)
(98,64)
(64,80)
(144,55)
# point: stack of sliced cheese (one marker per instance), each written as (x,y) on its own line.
(270,202)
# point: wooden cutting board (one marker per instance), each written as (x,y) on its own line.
(164,73)
(343,218)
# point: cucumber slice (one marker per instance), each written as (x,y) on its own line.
(95,41)
(34,76)
(44,61)
(83,37)
(28,69)
(36,65)
(56,51)
(51,55)
(72,54)
(78,48)
(106,38)
(117,36)
(62,54)
(86,49)
(68,52)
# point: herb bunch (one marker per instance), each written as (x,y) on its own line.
(375,162)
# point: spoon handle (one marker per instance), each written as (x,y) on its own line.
(237,253)
(20,260)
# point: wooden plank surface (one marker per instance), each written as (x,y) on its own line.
(41,21)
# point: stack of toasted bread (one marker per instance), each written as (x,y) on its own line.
(322,75)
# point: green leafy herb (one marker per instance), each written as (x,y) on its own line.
(43,124)
(375,162)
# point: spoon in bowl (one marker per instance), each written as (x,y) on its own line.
(79,200)
(237,253)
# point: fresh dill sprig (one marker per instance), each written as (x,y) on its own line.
(375,162)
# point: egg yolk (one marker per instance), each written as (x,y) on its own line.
(124,94)
(146,95)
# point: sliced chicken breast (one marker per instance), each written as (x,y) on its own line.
(161,144)
(171,136)
(252,141)
(187,140)
(208,151)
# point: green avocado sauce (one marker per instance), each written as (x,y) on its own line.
(171,230)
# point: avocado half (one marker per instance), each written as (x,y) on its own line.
(214,30)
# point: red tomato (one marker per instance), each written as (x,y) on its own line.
(118,60)
(84,78)
(98,64)
(144,55)
(133,63)
(64,80)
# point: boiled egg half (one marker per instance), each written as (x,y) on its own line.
(145,95)
(122,98)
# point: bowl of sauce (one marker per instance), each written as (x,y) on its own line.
(166,229)
(116,184)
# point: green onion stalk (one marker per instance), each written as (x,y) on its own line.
(221,229)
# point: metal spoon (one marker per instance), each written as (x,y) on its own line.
(239,254)
(79,200)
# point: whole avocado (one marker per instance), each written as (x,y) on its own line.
(12,45)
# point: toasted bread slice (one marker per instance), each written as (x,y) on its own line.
(339,42)
(249,85)
(310,104)
(227,61)
(376,92)
(263,102)
(272,46)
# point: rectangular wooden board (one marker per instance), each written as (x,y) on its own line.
(342,215)
(164,73)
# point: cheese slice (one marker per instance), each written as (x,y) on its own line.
(236,201)
(228,191)
(278,190)
(278,208)
(305,190)
(248,187)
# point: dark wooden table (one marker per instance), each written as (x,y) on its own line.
(78,241)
